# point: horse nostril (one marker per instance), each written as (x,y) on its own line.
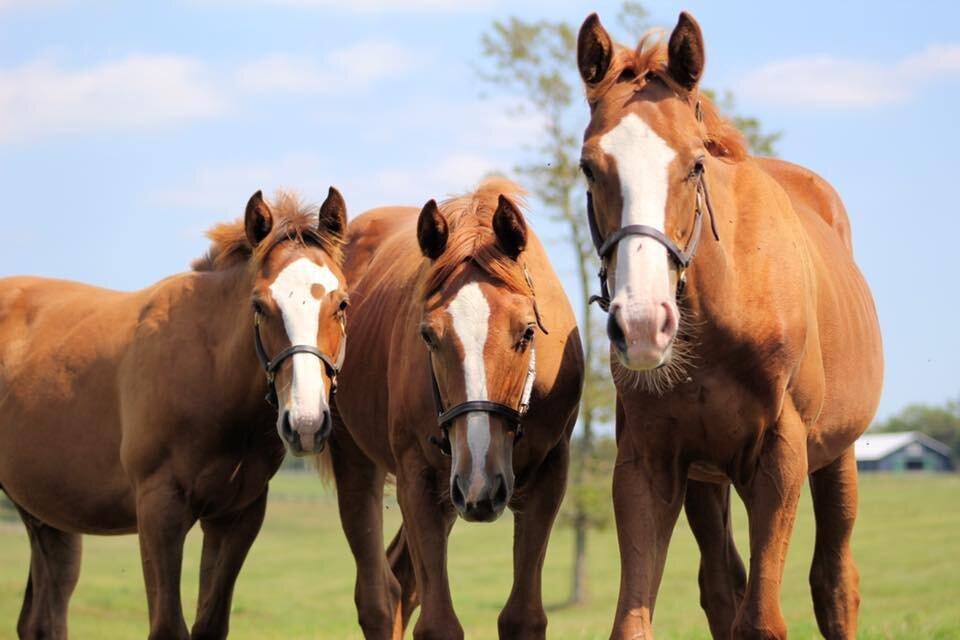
(286,429)
(456,494)
(615,333)
(326,426)
(500,493)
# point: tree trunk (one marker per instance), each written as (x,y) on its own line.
(579,588)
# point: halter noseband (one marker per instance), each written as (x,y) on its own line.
(681,257)
(514,417)
(270,366)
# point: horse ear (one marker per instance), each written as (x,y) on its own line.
(594,50)
(258,219)
(432,231)
(685,52)
(333,214)
(509,227)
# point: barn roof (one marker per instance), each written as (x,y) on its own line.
(874,446)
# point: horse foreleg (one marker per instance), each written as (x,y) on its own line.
(722,575)
(428,517)
(360,498)
(834,580)
(226,541)
(648,486)
(54,570)
(523,615)
(398,553)
(771,494)
(163,521)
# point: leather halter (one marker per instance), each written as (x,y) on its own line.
(681,257)
(270,366)
(514,417)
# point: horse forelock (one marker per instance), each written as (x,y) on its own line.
(293,221)
(721,137)
(472,241)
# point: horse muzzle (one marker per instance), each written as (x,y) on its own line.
(305,435)
(480,501)
(642,338)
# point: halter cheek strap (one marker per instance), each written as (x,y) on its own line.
(682,258)
(270,366)
(514,417)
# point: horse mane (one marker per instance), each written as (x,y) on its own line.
(721,137)
(292,221)
(472,240)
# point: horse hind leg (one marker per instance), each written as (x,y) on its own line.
(54,571)
(722,576)
(834,580)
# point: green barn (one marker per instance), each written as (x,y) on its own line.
(905,451)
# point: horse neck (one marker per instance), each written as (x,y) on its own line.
(228,323)
(717,273)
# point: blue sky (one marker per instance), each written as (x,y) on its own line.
(126,129)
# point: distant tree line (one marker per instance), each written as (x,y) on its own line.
(940,422)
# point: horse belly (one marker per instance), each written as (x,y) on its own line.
(59,458)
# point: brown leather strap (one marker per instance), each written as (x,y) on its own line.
(270,365)
(681,257)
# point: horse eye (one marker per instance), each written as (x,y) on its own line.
(697,168)
(427,337)
(587,171)
(528,333)
(343,305)
(257,307)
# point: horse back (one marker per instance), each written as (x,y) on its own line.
(59,408)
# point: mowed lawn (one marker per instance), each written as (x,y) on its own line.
(298,580)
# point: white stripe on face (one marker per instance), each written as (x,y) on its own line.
(471,314)
(643,158)
(292,290)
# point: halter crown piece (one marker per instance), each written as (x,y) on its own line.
(513,416)
(270,366)
(681,257)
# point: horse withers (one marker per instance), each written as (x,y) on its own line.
(745,342)
(145,412)
(462,378)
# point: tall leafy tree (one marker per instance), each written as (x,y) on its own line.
(536,62)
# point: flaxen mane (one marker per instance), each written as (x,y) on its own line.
(292,220)
(721,137)
(471,238)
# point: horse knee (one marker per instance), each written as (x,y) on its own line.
(529,625)
(753,625)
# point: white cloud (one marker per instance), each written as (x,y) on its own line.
(31,4)
(827,82)
(372,6)
(357,66)
(140,91)
(415,185)
(219,193)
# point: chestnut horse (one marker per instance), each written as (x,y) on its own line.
(745,342)
(456,327)
(144,412)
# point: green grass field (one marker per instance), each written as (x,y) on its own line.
(298,580)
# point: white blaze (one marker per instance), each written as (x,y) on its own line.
(292,290)
(471,314)
(643,158)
